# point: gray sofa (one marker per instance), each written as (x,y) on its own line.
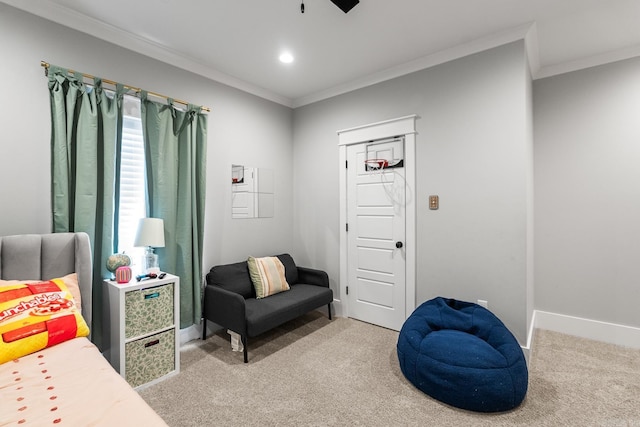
(230,299)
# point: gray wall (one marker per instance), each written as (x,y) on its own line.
(473,150)
(587,174)
(242,129)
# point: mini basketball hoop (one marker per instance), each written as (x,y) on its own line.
(376,164)
(379,164)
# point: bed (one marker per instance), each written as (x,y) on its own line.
(69,382)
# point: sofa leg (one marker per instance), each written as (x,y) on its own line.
(329,310)
(204,321)
(244,345)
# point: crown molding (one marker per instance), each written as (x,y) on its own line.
(69,18)
(592,61)
(54,12)
(456,52)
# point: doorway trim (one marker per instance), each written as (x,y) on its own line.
(402,126)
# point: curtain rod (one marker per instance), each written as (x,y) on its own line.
(137,89)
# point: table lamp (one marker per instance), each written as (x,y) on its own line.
(150,234)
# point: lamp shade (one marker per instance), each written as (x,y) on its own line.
(150,233)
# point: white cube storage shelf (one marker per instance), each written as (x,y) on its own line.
(143,320)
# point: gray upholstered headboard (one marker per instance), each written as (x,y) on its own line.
(47,256)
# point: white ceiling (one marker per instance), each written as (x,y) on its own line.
(237,42)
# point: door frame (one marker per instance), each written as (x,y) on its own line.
(402,126)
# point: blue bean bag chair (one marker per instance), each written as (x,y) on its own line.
(463,355)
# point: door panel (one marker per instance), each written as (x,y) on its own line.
(376,216)
(374,292)
(375,227)
(372,194)
(375,260)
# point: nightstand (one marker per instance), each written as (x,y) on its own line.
(144,320)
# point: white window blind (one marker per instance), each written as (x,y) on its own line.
(132,180)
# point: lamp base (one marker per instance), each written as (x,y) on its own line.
(151,261)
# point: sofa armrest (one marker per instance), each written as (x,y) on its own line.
(312,276)
(225,308)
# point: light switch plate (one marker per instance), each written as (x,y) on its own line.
(434,202)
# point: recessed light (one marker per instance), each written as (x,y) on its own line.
(286,58)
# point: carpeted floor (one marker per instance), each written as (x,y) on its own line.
(317,372)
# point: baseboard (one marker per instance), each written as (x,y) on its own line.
(338,310)
(191,333)
(611,333)
(526,349)
(626,336)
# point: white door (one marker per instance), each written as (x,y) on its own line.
(376,234)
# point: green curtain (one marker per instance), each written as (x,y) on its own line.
(86,126)
(175,154)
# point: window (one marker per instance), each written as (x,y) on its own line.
(132,180)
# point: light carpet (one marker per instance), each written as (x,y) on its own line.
(319,372)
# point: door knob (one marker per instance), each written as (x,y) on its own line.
(398,245)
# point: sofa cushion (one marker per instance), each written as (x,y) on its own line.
(267,313)
(232,277)
(267,275)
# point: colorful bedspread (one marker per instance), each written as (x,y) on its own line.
(70,384)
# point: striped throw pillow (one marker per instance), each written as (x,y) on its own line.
(267,275)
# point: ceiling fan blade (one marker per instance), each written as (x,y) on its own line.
(345,5)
